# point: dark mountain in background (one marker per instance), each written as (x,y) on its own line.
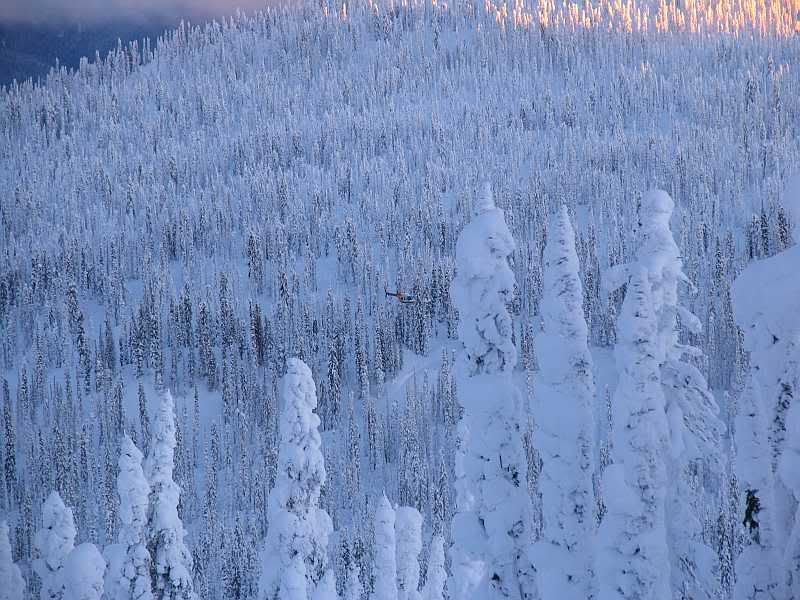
(30,51)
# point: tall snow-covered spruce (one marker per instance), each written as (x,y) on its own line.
(408,533)
(436,578)
(765,299)
(294,561)
(633,558)
(491,532)
(385,574)
(758,574)
(693,449)
(564,424)
(171,567)
(83,573)
(13,585)
(53,544)
(129,561)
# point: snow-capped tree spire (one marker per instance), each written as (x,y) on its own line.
(13,585)
(633,558)
(129,569)
(353,590)
(436,578)
(692,413)
(297,526)
(563,415)
(53,543)
(83,573)
(171,568)
(757,567)
(490,529)
(765,297)
(408,527)
(385,552)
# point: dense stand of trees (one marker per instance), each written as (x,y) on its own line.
(191,215)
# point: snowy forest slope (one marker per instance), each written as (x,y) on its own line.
(188,217)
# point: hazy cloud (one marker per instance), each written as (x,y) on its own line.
(59,12)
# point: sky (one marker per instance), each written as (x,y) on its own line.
(93,12)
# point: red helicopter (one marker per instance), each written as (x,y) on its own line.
(402,297)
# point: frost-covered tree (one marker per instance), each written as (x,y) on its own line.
(53,544)
(789,472)
(490,529)
(171,567)
(765,297)
(757,567)
(326,588)
(385,565)
(83,573)
(692,412)
(353,590)
(633,557)
(13,585)
(298,527)
(563,416)
(408,533)
(436,577)
(129,561)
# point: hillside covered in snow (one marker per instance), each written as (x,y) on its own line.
(407,302)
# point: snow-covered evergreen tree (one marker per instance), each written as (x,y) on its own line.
(53,544)
(129,561)
(297,525)
(13,585)
(490,530)
(765,297)
(408,533)
(171,567)
(757,567)
(633,557)
(564,421)
(436,577)
(353,590)
(83,573)
(692,412)
(789,472)
(385,565)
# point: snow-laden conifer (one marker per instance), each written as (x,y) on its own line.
(692,412)
(491,532)
(436,577)
(789,472)
(757,567)
(563,416)
(53,543)
(298,527)
(353,590)
(129,561)
(765,297)
(633,558)
(385,565)
(83,573)
(171,567)
(408,532)
(13,585)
